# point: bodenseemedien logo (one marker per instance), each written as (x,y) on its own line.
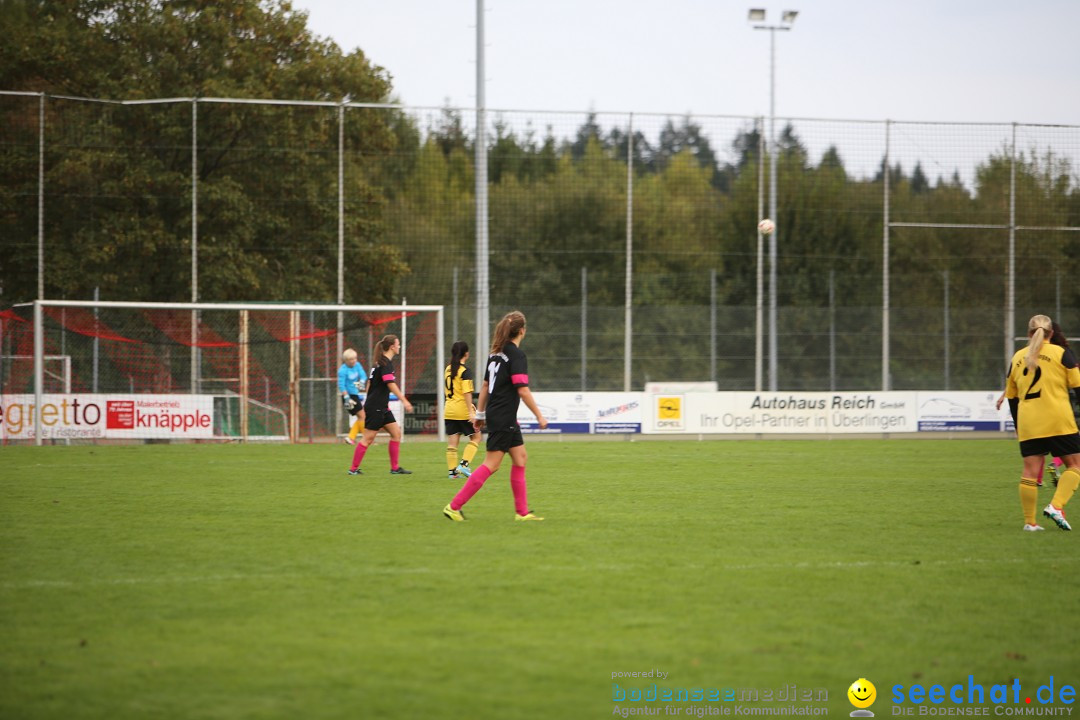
(862,695)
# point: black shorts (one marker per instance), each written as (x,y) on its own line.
(378,419)
(358,407)
(504,439)
(459,427)
(1056,445)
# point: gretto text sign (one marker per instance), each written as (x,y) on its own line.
(75,416)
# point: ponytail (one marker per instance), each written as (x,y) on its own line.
(1040,328)
(457,351)
(508,328)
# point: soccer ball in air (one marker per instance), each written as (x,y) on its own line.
(766,226)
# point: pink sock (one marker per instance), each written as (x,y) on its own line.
(472,485)
(1041,469)
(1058,462)
(358,455)
(517,484)
(395,450)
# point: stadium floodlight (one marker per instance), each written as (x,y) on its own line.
(787,17)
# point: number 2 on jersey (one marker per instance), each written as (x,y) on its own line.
(1032,393)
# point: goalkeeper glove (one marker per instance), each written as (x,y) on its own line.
(348,402)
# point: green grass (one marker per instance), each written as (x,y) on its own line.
(205,581)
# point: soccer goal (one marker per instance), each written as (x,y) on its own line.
(204,371)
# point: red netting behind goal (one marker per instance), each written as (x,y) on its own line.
(279,365)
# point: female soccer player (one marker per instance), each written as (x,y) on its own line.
(377,406)
(1057,337)
(351,380)
(1040,377)
(506,384)
(458,411)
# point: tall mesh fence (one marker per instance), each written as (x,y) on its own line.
(281,191)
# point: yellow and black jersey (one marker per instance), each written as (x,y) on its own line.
(1044,408)
(455,389)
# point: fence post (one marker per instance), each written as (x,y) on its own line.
(712,324)
(39,367)
(294,376)
(455,292)
(832,330)
(1010,294)
(628,332)
(41,198)
(945,279)
(759,331)
(885,268)
(194,244)
(340,343)
(244,391)
(584,324)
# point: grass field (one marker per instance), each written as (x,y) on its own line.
(205,581)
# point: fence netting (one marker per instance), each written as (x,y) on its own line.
(271,195)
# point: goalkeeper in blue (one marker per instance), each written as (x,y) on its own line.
(351,380)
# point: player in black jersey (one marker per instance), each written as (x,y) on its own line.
(382,382)
(506,385)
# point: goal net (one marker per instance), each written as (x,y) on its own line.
(145,372)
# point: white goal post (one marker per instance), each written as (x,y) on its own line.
(326,323)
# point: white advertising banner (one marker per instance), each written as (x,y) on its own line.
(75,416)
(782,413)
(943,411)
(594,412)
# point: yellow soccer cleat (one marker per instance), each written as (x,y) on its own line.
(528,517)
(455,515)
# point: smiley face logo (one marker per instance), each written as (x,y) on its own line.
(862,693)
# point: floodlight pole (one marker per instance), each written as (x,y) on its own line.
(773,160)
(482,284)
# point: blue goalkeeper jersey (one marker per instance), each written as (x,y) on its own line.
(351,380)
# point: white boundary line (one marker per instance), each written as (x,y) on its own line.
(247,577)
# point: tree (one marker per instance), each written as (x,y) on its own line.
(119,180)
(686,137)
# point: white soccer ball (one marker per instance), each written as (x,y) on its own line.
(766,226)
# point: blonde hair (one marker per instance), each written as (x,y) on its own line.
(1040,328)
(508,328)
(349,354)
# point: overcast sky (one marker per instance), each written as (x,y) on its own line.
(952,60)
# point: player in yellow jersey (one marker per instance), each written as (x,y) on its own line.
(1055,465)
(1040,378)
(459,411)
